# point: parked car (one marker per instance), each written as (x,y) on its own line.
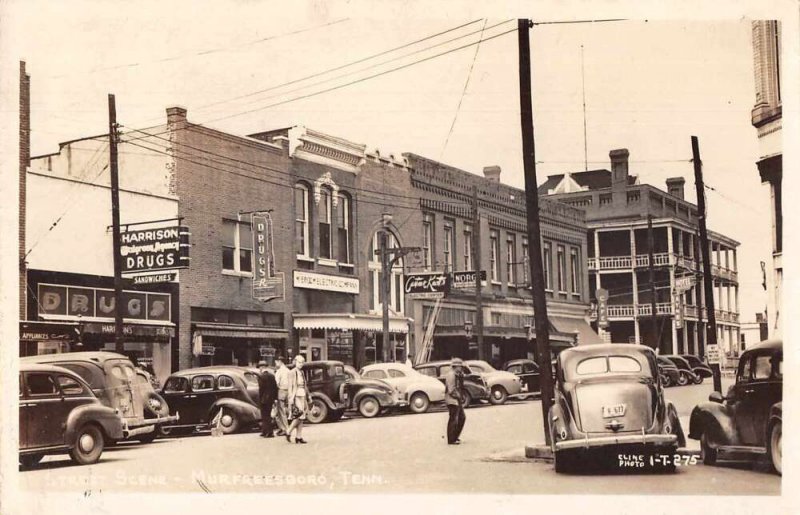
(326,383)
(475,387)
(501,384)
(747,423)
(528,372)
(114,381)
(670,375)
(201,394)
(58,413)
(370,397)
(687,376)
(608,401)
(701,369)
(419,391)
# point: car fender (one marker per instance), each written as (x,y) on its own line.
(675,421)
(371,392)
(435,392)
(557,421)
(103,416)
(327,400)
(716,421)
(243,409)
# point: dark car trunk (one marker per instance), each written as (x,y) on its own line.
(591,398)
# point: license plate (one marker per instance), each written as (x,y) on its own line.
(617,410)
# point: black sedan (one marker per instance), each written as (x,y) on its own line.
(670,375)
(687,375)
(699,367)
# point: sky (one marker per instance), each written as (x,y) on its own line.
(649,85)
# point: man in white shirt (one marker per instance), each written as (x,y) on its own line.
(281,377)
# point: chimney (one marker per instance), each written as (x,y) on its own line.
(675,186)
(176,114)
(492,173)
(619,168)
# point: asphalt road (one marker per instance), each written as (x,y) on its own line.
(401,453)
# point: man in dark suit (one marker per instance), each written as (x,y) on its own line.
(267,394)
(454,398)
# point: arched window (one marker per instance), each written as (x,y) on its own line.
(396,292)
(301,220)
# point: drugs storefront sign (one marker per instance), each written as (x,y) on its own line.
(162,248)
(267,284)
(432,285)
(64,301)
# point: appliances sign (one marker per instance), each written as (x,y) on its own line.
(147,250)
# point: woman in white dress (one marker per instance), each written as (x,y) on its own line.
(299,400)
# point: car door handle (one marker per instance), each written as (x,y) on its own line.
(749,390)
(191,396)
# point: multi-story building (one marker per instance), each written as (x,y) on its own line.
(449,231)
(767,119)
(617,210)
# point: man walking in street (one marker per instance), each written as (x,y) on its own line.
(281,377)
(267,395)
(454,397)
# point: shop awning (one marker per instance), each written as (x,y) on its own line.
(349,322)
(570,326)
(239,331)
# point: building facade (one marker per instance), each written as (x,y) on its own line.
(767,119)
(618,213)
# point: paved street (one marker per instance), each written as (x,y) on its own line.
(395,453)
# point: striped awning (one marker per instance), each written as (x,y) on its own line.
(349,322)
(239,331)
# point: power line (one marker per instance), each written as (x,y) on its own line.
(571,22)
(729,199)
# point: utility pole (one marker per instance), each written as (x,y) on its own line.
(119,345)
(700,336)
(652,276)
(708,280)
(389,257)
(476,262)
(534,233)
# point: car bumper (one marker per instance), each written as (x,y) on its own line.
(137,426)
(655,440)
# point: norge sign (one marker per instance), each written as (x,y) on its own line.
(162,248)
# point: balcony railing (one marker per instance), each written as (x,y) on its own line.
(618,311)
(660,259)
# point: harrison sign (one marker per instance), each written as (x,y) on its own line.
(149,250)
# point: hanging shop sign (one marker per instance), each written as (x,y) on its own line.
(325,282)
(267,284)
(677,304)
(149,250)
(100,303)
(468,279)
(602,307)
(682,284)
(430,285)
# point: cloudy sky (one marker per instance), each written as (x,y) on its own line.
(244,66)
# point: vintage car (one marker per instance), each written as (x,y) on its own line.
(114,381)
(419,391)
(202,395)
(501,384)
(687,375)
(669,372)
(59,413)
(528,372)
(701,369)
(747,422)
(369,396)
(609,402)
(326,384)
(475,387)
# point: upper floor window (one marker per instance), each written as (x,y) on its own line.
(562,269)
(427,239)
(511,257)
(467,247)
(575,271)
(324,216)
(547,264)
(495,251)
(344,229)
(237,246)
(449,245)
(301,236)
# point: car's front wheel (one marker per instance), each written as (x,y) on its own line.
(466,402)
(369,407)
(698,379)
(88,445)
(775,450)
(318,411)
(228,421)
(666,381)
(499,395)
(707,453)
(683,379)
(419,403)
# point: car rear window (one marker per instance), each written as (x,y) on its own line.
(608,364)
(427,371)
(338,370)
(515,369)
(393,372)
(375,374)
(251,378)
(225,382)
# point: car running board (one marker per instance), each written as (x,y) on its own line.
(732,451)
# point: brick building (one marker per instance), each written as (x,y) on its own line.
(617,209)
(767,119)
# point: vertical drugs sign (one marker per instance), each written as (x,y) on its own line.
(267,283)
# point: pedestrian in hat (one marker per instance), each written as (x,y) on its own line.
(282,378)
(454,398)
(267,395)
(299,400)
